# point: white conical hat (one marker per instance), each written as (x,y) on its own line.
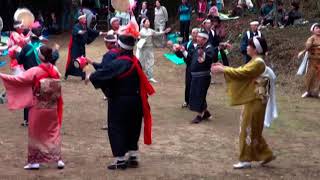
(25,16)
(120,5)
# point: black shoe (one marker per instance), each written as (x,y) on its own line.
(118,165)
(196,120)
(133,162)
(66,77)
(206,115)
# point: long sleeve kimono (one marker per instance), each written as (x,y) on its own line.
(146,53)
(313,72)
(242,89)
(77,48)
(107,58)
(45,115)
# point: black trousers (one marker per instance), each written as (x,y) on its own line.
(184,30)
(198,93)
(124,123)
(187,85)
(26,114)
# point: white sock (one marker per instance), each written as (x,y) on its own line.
(121,158)
(133,153)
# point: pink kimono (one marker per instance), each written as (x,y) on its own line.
(39,89)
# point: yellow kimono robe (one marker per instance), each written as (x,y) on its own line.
(313,72)
(241,84)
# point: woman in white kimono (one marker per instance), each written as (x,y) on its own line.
(145,48)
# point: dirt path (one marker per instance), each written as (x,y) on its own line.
(180,150)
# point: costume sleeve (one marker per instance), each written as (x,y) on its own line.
(102,77)
(19,88)
(248,71)
(104,62)
(210,55)
(165,12)
(309,43)
(92,35)
(75,30)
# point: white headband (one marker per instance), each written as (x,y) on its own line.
(124,46)
(114,19)
(195,29)
(110,40)
(313,26)
(257,45)
(254,23)
(204,35)
(82,16)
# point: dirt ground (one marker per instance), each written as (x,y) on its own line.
(180,150)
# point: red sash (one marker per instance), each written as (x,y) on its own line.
(146,90)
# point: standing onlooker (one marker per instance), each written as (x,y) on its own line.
(220,4)
(160,17)
(65,22)
(144,11)
(213,11)
(202,9)
(160,20)
(184,12)
(218,28)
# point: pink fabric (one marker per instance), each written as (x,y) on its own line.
(19,89)
(16,43)
(44,143)
(202,5)
(214,11)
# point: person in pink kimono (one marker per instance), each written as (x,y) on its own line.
(39,89)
